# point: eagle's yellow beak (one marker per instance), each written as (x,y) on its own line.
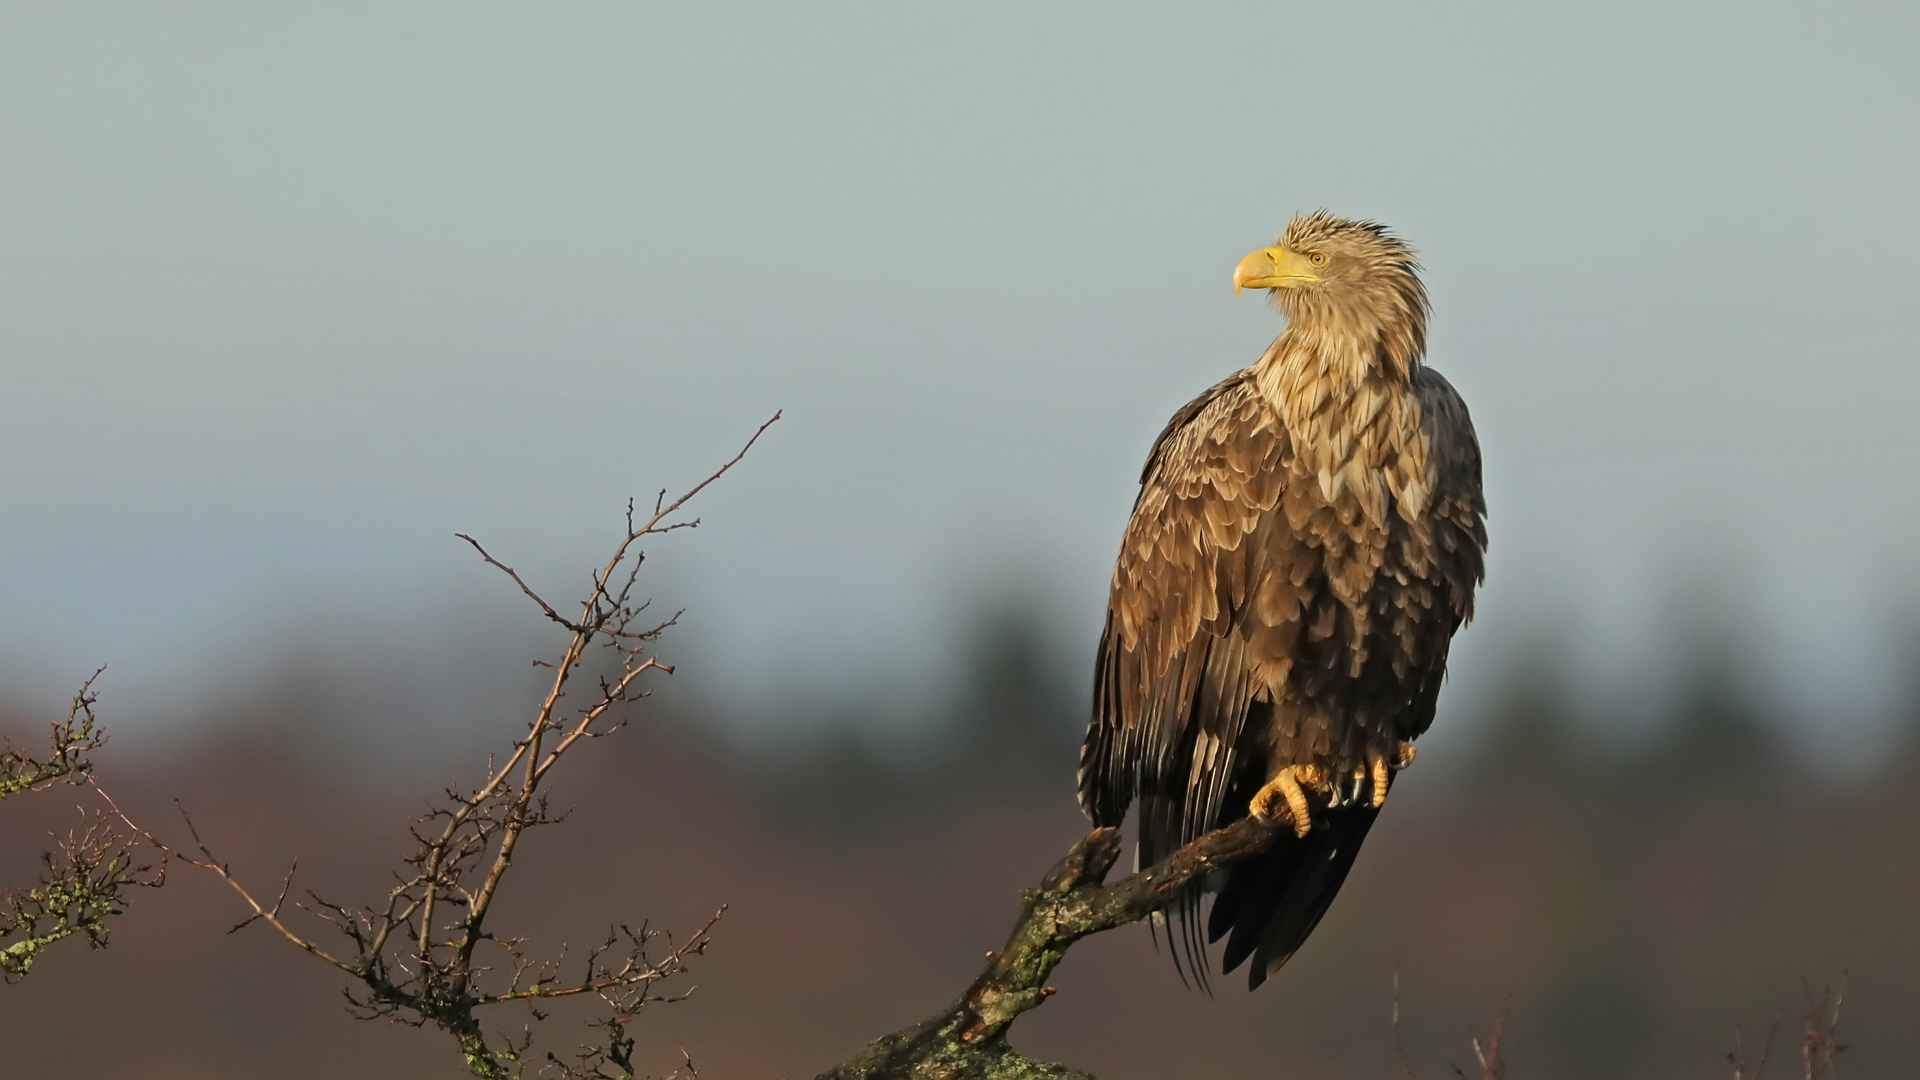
(1272,268)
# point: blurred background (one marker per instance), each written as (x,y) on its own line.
(291,294)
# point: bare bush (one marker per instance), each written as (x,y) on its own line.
(426,953)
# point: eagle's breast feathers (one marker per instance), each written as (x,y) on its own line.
(1295,547)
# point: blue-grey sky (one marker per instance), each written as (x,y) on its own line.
(291,293)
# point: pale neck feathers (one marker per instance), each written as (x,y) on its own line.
(1343,388)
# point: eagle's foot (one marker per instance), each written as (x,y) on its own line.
(1285,796)
(1381,766)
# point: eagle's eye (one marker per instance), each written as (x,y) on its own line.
(1317,258)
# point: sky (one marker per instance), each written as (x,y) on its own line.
(290,294)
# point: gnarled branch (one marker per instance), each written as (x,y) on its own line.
(968,1039)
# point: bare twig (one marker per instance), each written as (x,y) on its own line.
(1492,1065)
(207,861)
(1820,1037)
(1738,1056)
(524,587)
(1399,1048)
(1820,1044)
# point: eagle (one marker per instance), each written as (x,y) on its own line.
(1307,538)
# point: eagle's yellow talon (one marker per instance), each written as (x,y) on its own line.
(1284,790)
(1382,766)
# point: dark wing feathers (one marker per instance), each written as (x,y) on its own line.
(1458,507)
(1172,684)
(1179,580)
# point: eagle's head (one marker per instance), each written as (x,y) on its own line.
(1333,275)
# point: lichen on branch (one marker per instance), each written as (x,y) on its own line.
(85,878)
(968,1039)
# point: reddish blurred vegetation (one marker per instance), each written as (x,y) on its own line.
(1634,907)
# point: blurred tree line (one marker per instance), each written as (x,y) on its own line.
(1635,900)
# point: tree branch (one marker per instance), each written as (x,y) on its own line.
(416,955)
(82,886)
(86,878)
(968,1040)
(72,739)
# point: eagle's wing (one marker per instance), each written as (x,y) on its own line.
(1456,519)
(1174,680)
(1164,662)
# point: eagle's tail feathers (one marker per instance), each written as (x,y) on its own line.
(1272,903)
(1250,898)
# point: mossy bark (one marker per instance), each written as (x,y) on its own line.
(968,1040)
